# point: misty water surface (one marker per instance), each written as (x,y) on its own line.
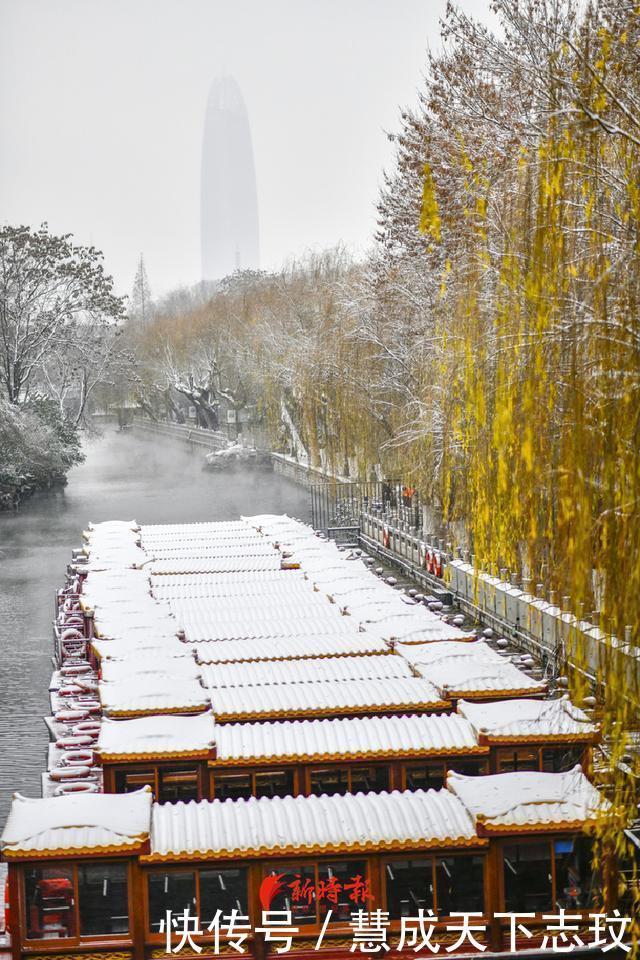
(125,476)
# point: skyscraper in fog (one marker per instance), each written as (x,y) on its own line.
(229,206)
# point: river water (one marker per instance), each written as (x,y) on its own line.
(125,476)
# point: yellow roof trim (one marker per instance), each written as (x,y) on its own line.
(173,755)
(316,849)
(482,751)
(110,849)
(361,710)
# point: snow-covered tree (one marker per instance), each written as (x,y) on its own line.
(140,299)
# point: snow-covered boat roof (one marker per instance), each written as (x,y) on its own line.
(182,586)
(158,737)
(429,654)
(261,672)
(244,623)
(140,643)
(278,587)
(215,564)
(287,648)
(205,527)
(412,626)
(138,696)
(103,823)
(206,549)
(118,623)
(530,720)
(361,737)
(319,699)
(513,802)
(473,677)
(278,826)
(144,668)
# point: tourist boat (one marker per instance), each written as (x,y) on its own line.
(278,730)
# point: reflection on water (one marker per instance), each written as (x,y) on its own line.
(124,477)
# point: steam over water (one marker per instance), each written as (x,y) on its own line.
(125,476)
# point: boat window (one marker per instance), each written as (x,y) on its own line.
(528,877)
(223,890)
(342,888)
(510,760)
(373,779)
(49,897)
(459,885)
(331,780)
(575,880)
(310,890)
(274,783)
(469,767)
(232,786)
(560,759)
(296,892)
(429,775)
(409,886)
(178,784)
(103,898)
(174,891)
(130,780)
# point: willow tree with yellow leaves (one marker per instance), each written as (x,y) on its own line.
(528,146)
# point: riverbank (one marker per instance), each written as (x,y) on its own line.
(14,492)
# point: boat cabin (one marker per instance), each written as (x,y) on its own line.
(99,873)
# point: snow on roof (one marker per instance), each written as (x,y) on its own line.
(112,526)
(356,591)
(112,622)
(528,719)
(238,597)
(278,601)
(206,527)
(142,666)
(335,570)
(458,676)
(243,624)
(152,694)
(215,564)
(412,624)
(436,652)
(261,672)
(296,647)
(195,549)
(131,558)
(209,590)
(100,822)
(155,736)
(192,533)
(316,699)
(297,824)
(116,585)
(222,581)
(344,737)
(529,799)
(140,643)
(271,521)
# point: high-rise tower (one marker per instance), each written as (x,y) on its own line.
(228,201)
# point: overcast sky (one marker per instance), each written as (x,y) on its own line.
(102,107)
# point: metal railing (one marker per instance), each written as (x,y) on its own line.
(338,506)
(197,436)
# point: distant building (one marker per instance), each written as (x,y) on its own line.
(229,207)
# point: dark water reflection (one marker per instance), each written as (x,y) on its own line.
(124,477)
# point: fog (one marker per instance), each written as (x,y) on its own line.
(102,106)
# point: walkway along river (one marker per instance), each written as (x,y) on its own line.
(124,476)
